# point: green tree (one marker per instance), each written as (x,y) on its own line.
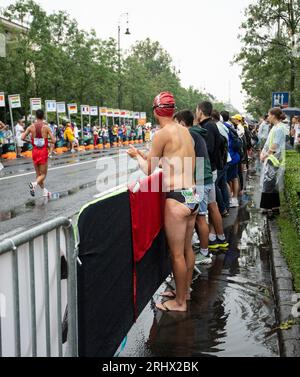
(269,54)
(53,58)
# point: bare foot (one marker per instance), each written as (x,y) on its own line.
(171,306)
(169,294)
(172,294)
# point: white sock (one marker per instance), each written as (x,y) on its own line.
(204,252)
(212,237)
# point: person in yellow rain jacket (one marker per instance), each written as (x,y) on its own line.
(69,136)
(147,135)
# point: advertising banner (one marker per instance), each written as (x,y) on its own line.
(72,108)
(94,110)
(61,107)
(35,104)
(2,99)
(14,101)
(85,109)
(103,111)
(50,106)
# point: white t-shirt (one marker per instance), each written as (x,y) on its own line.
(76,134)
(224,132)
(19,130)
(297,132)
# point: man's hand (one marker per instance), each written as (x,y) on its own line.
(132,152)
(262,157)
(143,155)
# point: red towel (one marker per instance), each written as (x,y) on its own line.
(147,214)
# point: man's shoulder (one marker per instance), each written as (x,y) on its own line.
(209,125)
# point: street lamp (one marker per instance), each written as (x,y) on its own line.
(127,32)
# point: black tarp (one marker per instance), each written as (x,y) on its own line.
(105,279)
(151,271)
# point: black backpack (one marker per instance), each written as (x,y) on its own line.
(222,153)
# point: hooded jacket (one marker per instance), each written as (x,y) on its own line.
(213,141)
(199,135)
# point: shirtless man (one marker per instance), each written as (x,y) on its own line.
(39,132)
(173,146)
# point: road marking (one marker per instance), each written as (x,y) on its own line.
(63,167)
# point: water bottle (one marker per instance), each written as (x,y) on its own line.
(55,196)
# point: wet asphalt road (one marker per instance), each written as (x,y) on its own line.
(73,180)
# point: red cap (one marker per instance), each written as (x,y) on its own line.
(164,105)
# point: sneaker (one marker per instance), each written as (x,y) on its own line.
(46,193)
(223,244)
(73,151)
(214,245)
(202,260)
(32,189)
(225,214)
(234,203)
(196,246)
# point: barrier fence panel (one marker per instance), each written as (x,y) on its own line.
(38,286)
(113,288)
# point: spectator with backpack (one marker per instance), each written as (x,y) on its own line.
(217,239)
(204,181)
(222,191)
(235,147)
(237,122)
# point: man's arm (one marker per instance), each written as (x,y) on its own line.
(26,133)
(150,162)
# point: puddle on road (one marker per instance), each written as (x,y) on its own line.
(232,312)
(41,202)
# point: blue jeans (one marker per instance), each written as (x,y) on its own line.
(222,190)
(207,195)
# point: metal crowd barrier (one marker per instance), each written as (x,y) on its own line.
(35,295)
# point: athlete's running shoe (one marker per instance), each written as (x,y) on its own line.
(214,245)
(32,189)
(218,244)
(46,193)
(223,244)
(202,260)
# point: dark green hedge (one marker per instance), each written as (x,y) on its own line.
(292,187)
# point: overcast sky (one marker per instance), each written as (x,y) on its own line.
(200,35)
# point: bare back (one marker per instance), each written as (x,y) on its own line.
(45,131)
(178,159)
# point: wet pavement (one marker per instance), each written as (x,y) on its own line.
(232,312)
(72,179)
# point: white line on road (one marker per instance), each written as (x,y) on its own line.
(62,167)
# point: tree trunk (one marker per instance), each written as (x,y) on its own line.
(293,82)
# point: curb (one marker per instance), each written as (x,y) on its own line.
(289,340)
